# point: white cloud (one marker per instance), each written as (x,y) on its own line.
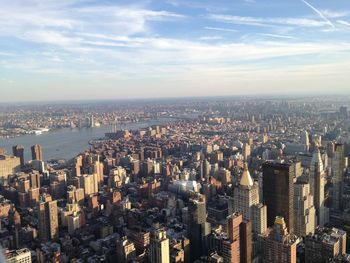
(209,38)
(334,14)
(268,22)
(51,37)
(276,36)
(220,29)
(344,23)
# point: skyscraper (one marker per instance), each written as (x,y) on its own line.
(246,200)
(278,192)
(304,210)
(198,227)
(316,180)
(240,236)
(305,140)
(338,166)
(233,228)
(277,245)
(159,249)
(234,245)
(48,218)
(205,169)
(37,153)
(18,151)
(246,151)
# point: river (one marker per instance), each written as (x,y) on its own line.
(66,143)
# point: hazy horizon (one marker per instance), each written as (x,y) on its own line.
(182,99)
(98,50)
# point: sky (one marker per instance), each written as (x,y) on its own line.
(85,49)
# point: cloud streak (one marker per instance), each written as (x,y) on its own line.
(220,29)
(344,23)
(276,36)
(319,13)
(268,21)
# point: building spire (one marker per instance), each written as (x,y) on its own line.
(246,179)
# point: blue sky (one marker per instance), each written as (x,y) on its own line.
(84,49)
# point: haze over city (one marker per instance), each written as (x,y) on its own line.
(57,50)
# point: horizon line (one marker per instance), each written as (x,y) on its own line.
(183,98)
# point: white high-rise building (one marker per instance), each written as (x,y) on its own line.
(304,210)
(73,222)
(317,182)
(246,200)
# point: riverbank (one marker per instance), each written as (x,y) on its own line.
(66,143)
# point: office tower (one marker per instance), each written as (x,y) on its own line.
(198,227)
(236,244)
(277,245)
(34,196)
(117,177)
(297,169)
(159,249)
(246,201)
(240,235)
(18,151)
(304,210)
(278,192)
(246,241)
(48,219)
(147,168)
(97,168)
(135,168)
(73,221)
(90,184)
(18,256)
(324,245)
(338,166)
(125,250)
(246,151)
(75,195)
(316,181)
(330,149)
(233,230)
(34,178)
(9,165)
(37,153)
(224,176)
(205,169)
(305,140)
(259,218)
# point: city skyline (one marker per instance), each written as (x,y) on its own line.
(176,181)
(150,49)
